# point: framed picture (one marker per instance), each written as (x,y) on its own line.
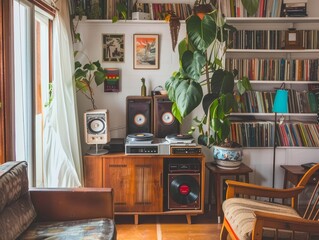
(146,51)
(113,47)
(112,80)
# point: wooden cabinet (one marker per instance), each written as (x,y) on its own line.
(138,182)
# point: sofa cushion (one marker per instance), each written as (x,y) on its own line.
(239,212)
(16,209)
(13,182)
(72,230)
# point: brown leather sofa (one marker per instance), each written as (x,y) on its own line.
(61,213)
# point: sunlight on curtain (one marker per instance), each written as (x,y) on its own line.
(62,151)
(22,83)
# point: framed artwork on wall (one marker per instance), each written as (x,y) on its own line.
(112,80)
(146,51)
(113,47)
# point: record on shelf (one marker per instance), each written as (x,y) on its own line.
(184,189)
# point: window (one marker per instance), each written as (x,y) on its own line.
(32,40)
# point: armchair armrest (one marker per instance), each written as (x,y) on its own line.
(284,222)
(63,204)
(249,189)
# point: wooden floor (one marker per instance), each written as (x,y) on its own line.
(203,227)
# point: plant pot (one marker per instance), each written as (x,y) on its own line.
(202,9)
(227,157)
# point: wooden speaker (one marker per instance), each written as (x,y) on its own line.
(139,117)
(96,126)
(164,121)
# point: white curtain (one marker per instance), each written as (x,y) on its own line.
(62,148)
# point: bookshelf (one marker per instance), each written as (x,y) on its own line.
(269,65)
(259,50)
(107,9)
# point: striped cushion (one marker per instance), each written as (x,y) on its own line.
(16,209)
(94,229)
(239,212)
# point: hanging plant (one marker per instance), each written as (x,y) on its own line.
(174,27)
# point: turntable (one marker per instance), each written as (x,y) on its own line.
(180,139)
(146,144)
(138,138)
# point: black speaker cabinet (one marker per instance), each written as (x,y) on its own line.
(164,121)
(183,191)
(139,117)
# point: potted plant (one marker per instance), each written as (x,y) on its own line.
(202,79)
(85,75)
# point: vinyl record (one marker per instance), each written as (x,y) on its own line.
(184,189)
(180,136)
(140,136)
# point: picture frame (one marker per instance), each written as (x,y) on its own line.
(113,47)
(146,51)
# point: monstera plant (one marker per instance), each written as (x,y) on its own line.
(202,78)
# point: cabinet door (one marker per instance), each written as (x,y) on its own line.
(93,171)
(118,175)
(148,172)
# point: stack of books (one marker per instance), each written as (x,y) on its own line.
(295,8)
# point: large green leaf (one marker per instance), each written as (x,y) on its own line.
(82,85)
(176,112)
(77,64)
(207,101)
(182,47)
(224,130)
(171,84)
(97,64)
(188,95)
(217,81)
(192,64)
(243,85)
(227,102)
(251,6)
(201,33)
(89,66)
(228,83)
(79,74)
(99,77)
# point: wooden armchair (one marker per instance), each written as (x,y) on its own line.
(256,212)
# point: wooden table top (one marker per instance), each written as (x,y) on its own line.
(295,169)
(243,169)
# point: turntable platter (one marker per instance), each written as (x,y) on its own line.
(180,138)
(140,137)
